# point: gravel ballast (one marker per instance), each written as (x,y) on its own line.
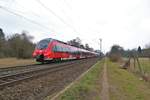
(50,84)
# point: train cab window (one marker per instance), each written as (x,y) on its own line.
(43,44)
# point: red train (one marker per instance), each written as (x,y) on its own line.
(51,49)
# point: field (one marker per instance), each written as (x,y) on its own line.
(145,63)
(10,62)
(123,84)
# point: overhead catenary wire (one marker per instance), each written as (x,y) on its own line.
(31,12)
(35,14)
(14,1)
(52,12)
(21,16)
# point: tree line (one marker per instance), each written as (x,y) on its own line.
(78,43)
(117,52)
(21,45)
(16,45)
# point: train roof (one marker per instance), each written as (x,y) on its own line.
(51,39)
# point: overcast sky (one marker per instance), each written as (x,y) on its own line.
(122,22)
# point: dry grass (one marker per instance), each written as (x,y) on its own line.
(125,85)
(10,62)
(145,63)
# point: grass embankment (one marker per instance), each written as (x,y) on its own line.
(87,88)
(10,62)
(125,85)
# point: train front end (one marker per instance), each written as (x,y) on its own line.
(42,50)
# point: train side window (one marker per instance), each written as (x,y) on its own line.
(63,49)
(55,48)
(59,48)
(66,49)
(72,50)
(69,50)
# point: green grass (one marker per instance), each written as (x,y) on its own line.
(145,63)
(87,88)
(125,85)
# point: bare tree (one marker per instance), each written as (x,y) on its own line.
(2,43)
(75,42)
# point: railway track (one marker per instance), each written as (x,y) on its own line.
(14,69)
(14,78)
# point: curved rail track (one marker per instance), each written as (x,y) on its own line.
(14,78)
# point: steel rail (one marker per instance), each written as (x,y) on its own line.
(8,80)
(8,70)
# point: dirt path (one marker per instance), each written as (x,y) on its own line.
(105,85)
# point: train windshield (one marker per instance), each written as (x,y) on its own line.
(43,44)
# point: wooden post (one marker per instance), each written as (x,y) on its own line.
(139,65)
(134,62)
(129,63)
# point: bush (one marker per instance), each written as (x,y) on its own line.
(115,57)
